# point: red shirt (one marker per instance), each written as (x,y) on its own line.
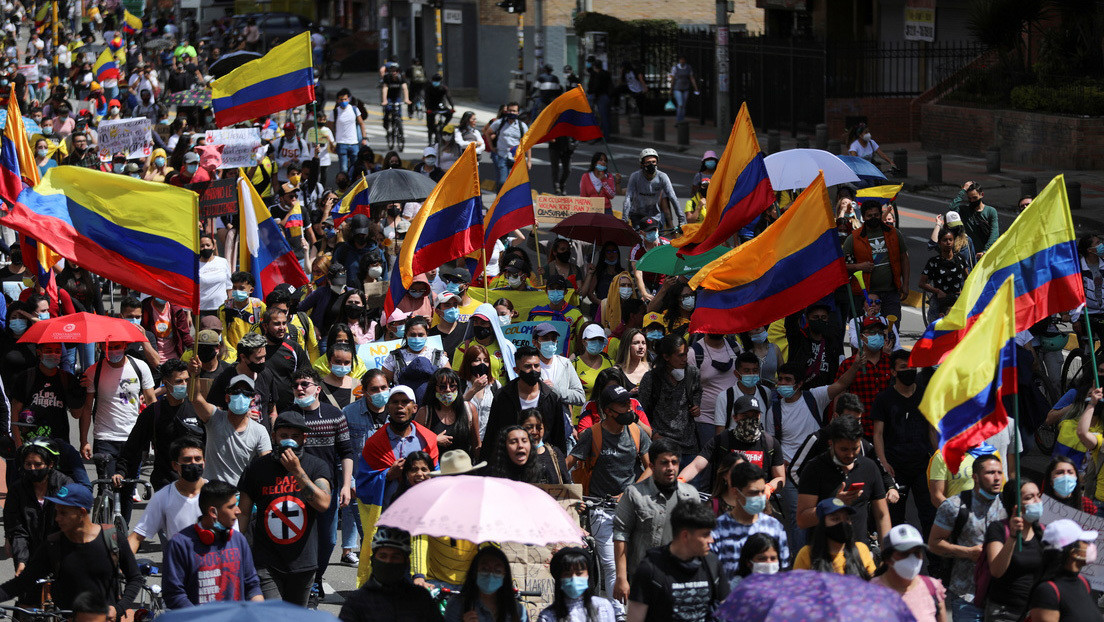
(591,416)
(869,382)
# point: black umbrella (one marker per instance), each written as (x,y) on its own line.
(396,185)
(229,62)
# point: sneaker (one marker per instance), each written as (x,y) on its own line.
(350,558)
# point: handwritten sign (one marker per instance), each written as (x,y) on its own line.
(523,300)
(521,333)
(373,354)
(218,197)
(130,136)
(241,146)
(1054,510)
(552,209)
(529,564)
(920,20)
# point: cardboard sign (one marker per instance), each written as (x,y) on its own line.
(552,209)
(373,354)
(130,136)
(523,301)
(241,146)
(521,333)
(218,197)
(1054,510)
(529,564)
(30,72)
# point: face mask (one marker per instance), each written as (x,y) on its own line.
(786,390)
(191,473)
(531,378)
(389,573)
(548,349)
(1090,554)
(748,430)
(50,361)
(452,288)
(764,568)
(749,380)
(866,136)
(44,315)
(907,377)
(489,583)
(511,116)
(1033,512)
(337,289)
(206,253)
(239,295)
(289,444)
(650,169)
(239,404)
(400,331)
(975,204)
(678,374)
(575,586)
(687,303)
(985,494)
(654,335)
(36,475)
(652,236)
(447,138)
(610,262)
(818,326)
(379,400)
(343,104)
(1099,247)
(840,532)
(483,332)
(625,292)
(256,368)
(755,505)
(179,391)
(114,110)
(42,152)
(18,326)
(1064,485)
(430,161)
(909,567)
(294,179)
(135,321)
(555,296)
(191,168)
(117,168)
(447,397)
(875,342)
(710,165)
(504,320)
(595,346)
(601,168)
(115,357)
(436,83)
(625,418)
(353,311)
(159,161)
(514,281)
(416,344)
(206,353)
(304,401)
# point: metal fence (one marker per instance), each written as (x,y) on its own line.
(782,81)
(652,51)
(894,68)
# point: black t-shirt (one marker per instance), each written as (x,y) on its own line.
(211,375)
(451,341)
(284,523)
(1069,596)
(48,398)
(907,441)
(946,275)
(764,453)
(677,591)
(822,478)
(281,361)
(160,424)
(1013,587)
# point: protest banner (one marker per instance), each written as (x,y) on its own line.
(552,209)
(373,354)
(241,146)
(521,333)
(1054,510)
(529,564)
(523,300)
(218,197)
(130,136)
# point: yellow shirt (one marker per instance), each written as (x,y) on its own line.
(804,560)
(442,559)
(963,480)
(587,375)
(498,370)
(236,323)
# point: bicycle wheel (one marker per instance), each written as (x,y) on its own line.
(1073,368)
(419,109)
(102,509)
(400,138)
(335,70)
(924,308)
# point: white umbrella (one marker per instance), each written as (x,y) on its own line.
(797,168)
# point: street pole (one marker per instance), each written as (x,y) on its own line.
(538,35)
(54,27)
(723,114)
(521,43)
(440,49)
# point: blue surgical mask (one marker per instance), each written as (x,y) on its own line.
(239,295)
(115,357)
(50,361)
(451,315)
(687,303)
(755,505)
(710,165)
(988,496)
(610,262)
(548,349)
(341,370)
(379,400)
(239,404)
(652,236)
(135,320)
(416,344)
(625,292)
(436,83)
(159,162)
(749,380)
(601,168)
(452,288)
(574,586)
(1033,512)
(759,337)
(160,301)
(18,326)
(1100,249)
(595,346)
(786,390)
(489,583)
(556,296)
(343,104)
(304,401)
(1064,485)
(875,342)
(654,335)
(179,391)
(44,315)
(400,331)
(290,443)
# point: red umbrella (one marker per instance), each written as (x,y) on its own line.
(597,229)
(83,328)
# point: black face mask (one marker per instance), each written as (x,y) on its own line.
(206,253)
(841,532)
(353,312)
(191,472)
(531,378)
(343,184)
(390,573)
(907,377)
(392,211)
(721,366)
(818,326)
(975,204)
(650,169)
(206,353)
(480,370)
(564,256)
(256,368)
(625,418)
(36,475)
(482,332)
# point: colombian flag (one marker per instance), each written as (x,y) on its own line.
(355,201)
(448,226)
(883,195)
(140,234)
(294,221)
(794,263)
(963,400)
(740,191)
(107,66)
(131,23)
(567,115)
(1040,251)
(263,250)
(512,208)
(42,17)
(281,79)
(17,163)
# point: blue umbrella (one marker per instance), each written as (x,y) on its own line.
(869,174)
(803,595)
(247,611)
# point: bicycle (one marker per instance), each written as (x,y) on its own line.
(392,122)
(34,613)
(332,68)
(107,506)
(1079,359)
(441,118)
(419,109)
(585,508)
(151,602)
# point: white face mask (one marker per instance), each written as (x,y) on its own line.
(908,567)
(764,568)
(678,374)
(375,272)
(866,136)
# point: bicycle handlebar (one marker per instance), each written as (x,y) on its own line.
(125,481)
(60,614)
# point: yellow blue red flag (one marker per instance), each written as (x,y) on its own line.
(881,194)
(567,115)
(281,79)
(512,208)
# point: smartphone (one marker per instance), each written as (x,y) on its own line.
(855,486)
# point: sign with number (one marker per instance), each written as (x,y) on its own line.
(552,209)
(920,20)
(130,136)
(453,16)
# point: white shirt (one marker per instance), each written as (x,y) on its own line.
(390,364)
(117,398)
(508,137)
(214,280)
(867,152)
(291,150)
(797,422)
(345,124)
(168,511)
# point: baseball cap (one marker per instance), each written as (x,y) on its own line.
(240,379)
(397,316)
(594,331)
(114,104)
(191,157)
(456,275)
(429,151)
(294,292)
(904,537)
(289,126)
(614,394)
(405,390)
(73,495)
(747,403)
(516,264)
(444,297)
(132,168)
(653,318)
(831,506)
(953,219)
(290,419)
(558,281)
(648,224)
(207,338)
(545,328)
(336,270)
(1064,532)
(873,322)
(359,224)
(210,322)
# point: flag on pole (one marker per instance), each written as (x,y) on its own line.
(567,115)
(264,251)
(512,208)
(281,79)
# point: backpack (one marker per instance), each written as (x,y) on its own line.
(983,575)
(776,412)
(417,74)
(96,381)
(761,393)
(110,538)
(584,470)
(699,349)
(1058,593)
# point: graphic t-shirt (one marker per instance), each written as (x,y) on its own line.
(284,522)
(45,400)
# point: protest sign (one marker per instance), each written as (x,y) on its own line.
(523,300)
(529,564)
(1054,510)
(552,209)
(521,333)
(373,354)
(130,136)
(241,146)
(218,197)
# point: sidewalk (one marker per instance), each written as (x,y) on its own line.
(1002,190)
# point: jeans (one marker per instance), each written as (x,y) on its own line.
(350,526)
(108,453)
(601,527)
(794,534)
(602,107)
(346,156)
(291,587)
(962,611)
(913,482)
(502,169)
(326,533)
(681,97)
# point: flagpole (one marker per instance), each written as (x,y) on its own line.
(54,27)
(486,285)
(1092,348)
(1014,448)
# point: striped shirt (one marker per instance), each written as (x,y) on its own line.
(328,439)
(730,535)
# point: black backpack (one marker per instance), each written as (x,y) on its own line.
(776,411)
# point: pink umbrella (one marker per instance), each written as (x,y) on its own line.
(482,509)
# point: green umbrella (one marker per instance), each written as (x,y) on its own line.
(663,260)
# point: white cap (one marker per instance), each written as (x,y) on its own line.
(1064,532)
(429,151)
(405,390)
(444,297)
(397,316)
(594,331)
(904,537)
(953,219)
